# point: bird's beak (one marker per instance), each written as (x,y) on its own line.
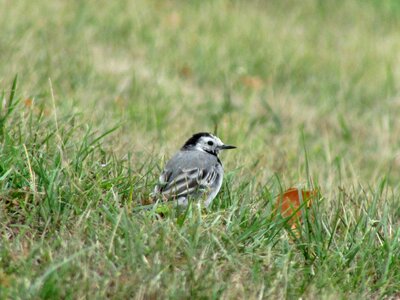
(226,147)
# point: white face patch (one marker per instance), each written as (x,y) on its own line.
(210,144)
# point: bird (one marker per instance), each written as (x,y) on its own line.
(195,172)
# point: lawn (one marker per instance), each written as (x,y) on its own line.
(97,95)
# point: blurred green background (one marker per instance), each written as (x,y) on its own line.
(261,72)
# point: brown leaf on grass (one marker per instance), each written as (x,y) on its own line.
(290,205)
(252,82)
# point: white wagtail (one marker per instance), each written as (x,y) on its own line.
(195,172)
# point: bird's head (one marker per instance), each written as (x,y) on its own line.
(204,141)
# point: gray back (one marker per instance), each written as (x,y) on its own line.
(190,159)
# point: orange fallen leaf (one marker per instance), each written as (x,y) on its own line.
(289,205)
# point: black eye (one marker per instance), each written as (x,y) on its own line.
(210,143)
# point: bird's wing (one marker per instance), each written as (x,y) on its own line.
(186,183)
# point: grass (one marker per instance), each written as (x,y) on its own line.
(108,90)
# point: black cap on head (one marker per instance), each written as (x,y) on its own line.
(193,140)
